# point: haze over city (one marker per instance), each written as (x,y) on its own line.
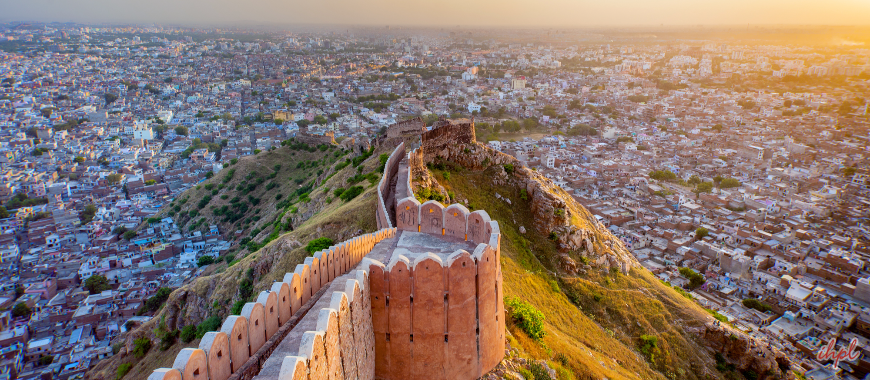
(443,190)
(513,13)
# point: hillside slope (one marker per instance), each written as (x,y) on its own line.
(227,284)
(605,315)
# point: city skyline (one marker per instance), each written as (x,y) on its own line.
(513,13)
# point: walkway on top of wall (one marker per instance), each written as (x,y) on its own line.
(398,188)
(409,244)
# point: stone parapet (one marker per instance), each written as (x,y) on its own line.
(245,341)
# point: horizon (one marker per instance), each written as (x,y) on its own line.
(453,13)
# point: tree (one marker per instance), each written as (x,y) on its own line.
(80,159)
(119,230)
(114,178)
(151,182)
(129,235)
(753,303)
(695,279)
(88,213)
(728,183)
(181,130)
(3,212)
(21,310)
(46,360)
(849,171)
(110,98)
(700,233)
(204,260)
(530,124)
(97,283)
(703,187)
(694,180)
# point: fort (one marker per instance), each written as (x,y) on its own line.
(420,298)
(406,129)
(312,139)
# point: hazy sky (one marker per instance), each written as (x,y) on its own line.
(444,12)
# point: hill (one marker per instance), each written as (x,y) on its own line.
(271,191)
(268,251)
(601,314)
(605,316)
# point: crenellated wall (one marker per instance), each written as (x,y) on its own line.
(423,315)
(391,169)
(245,341)
(342,345)
(434,317)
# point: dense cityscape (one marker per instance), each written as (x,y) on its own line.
(735,172)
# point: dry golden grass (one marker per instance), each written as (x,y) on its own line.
(598,339)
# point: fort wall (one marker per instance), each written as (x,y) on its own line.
(421,307)
(245,341)
(430,316)
(391,170)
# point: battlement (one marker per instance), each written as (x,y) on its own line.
(245,341)
(437,317)
(406,128)
(391,168)
(434,311)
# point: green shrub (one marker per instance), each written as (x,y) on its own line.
(46,360)
(351,193)
(154,302)
(188,333)
(337,192)
(141,346)
(509,168)
(209,324)
(318,244)
(122,370)
(527,317)
(538,371)
(237,307)
(648,345)
(756,304)
(526,374)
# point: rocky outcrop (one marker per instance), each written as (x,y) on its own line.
(512,367)
(556,213)
(746,353)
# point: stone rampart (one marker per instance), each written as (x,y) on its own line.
(245,341)
(438,318)
(342,346)
(407,128)
(391,169)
